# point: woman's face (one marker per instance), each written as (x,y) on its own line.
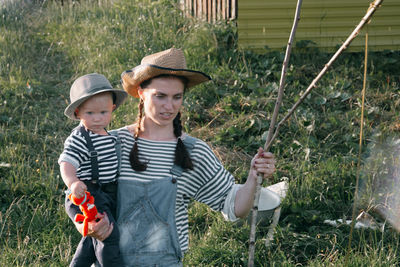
(162,100)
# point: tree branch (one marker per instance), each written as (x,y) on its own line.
(270,132)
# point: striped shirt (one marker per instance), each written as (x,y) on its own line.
(208,182)
(76,152)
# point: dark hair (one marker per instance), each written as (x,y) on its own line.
(136,164)
(183,79)
(114,97)
(182,157)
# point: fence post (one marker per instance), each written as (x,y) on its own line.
(210,10)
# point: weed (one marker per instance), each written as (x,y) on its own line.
(46,45)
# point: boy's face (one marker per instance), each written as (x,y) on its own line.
(95,113)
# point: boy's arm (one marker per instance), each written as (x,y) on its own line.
(68,174)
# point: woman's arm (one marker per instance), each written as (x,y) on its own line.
(264,163)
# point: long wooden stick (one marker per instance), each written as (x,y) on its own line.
(364,20)
(353,215)
(271,230)
(270,132)
(373,6)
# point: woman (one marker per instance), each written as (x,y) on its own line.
(162,168)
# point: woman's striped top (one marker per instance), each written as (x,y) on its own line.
(208,182)
(76,152)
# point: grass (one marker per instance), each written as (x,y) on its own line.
(44,47)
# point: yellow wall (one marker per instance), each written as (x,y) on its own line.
(328,23)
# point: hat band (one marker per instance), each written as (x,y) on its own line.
(99,88)
(171,69)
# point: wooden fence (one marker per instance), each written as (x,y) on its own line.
(210,10)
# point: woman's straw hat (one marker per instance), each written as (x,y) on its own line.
(88,85)
(171,61)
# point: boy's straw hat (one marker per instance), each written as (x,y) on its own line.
(171,61)
(88,85)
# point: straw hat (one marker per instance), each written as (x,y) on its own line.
(171,61)
(88,85)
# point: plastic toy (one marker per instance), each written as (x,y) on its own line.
(89,210)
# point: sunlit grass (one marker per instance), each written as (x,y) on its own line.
(44,47)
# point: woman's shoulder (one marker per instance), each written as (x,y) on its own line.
(202,154)
(195,144)
(123,132)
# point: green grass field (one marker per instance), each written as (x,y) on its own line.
(45,47)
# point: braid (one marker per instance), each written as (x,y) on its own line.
(139,118)
(177,125)
(134,154)
(182,157)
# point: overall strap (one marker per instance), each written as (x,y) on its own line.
(189,143)
(92,154)
(117,150)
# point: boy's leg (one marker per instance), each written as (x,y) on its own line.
(107,252)
(84,255)
(71,208)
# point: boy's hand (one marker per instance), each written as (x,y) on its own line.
(78,189)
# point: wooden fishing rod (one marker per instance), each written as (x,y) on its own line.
(373,6)
(273,132)
(270,132)
(353,214)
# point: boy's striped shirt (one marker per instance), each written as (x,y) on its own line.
(76,152)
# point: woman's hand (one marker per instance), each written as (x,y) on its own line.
(264,163)
(98,229)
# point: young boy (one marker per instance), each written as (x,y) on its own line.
(89,162)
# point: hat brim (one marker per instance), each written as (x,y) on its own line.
(131,79)
(120,97)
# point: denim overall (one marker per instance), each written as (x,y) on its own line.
(146,220)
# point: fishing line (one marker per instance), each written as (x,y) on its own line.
(353,216)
